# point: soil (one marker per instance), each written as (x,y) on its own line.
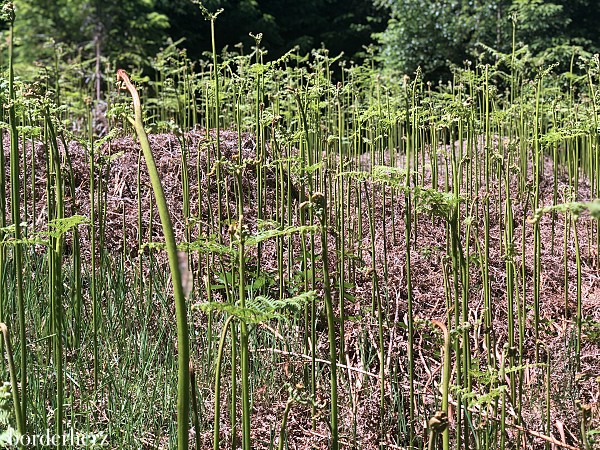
(116,178)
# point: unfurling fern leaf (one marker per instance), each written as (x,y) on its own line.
(261,309)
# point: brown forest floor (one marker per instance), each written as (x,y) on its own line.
(359,392)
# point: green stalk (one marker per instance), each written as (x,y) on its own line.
(183,348)
(240,235)
(579,316)
(93,228)
(446,372)
(411,148)
(217,426)
(15,203)
(13,379)
(286,413)
(195,413)
(488,314)
(76,287)
(233,406)
(537,244)
(510,275)
(321,211)
(55,269)
(212,17)
(548,412)
(586,414)
(244,352)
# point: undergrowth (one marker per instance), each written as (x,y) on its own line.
(368,260)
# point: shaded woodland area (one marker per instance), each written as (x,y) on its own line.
(400,34)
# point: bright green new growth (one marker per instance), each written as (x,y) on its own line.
(183,384)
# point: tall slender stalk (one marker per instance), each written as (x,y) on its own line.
(244,351)
(13,379)
(15,204)
(183,387)
(217,423)
(93,247)
(320,203)
(55,279)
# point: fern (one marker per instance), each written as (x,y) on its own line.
(432,201)
(260,309)
(270,233)
(200,245)
(59,227)
(56,229)
(575,208)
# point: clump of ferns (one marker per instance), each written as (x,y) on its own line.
(247,310)
(260,309)
(429,200)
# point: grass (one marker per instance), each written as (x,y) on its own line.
(370,261)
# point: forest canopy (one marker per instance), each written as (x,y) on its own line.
(403,34)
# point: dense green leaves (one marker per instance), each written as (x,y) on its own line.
(431,35)
(261,309)
(128,30)
(435,35)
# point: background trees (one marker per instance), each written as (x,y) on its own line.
(433,34)
(409,33)
(125,29)
(131,30)
(340,25)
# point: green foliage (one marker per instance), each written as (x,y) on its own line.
(431,34)
(59,227)
(435,35)
(537,22)
(574,208)
(365,116)
(130,30)
(7,432)
(269,230)
(340,25)
(56,229)
(261,308)
(430,201)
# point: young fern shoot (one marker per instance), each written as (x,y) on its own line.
(183,385)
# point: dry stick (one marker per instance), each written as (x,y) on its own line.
(183,347)
(324,361)
(533,433)
(542,436)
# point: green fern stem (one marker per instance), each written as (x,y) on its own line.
(183,392)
